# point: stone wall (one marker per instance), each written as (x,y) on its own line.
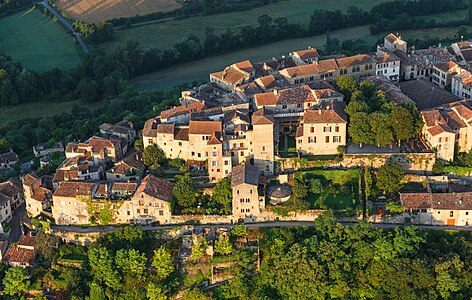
(409,161)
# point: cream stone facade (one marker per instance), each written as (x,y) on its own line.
(322,130)
(244,183)
(451,209)
(144,202)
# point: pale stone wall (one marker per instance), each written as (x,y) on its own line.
(70,210)
(409,161)
(263,148)
(147,209)
(245,201)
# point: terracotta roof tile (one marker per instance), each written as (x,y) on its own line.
(73,189)
(331,113)
(204,127)
(156,187)
(182,110)
(307,54)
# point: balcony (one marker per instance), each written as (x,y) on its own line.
(288,115)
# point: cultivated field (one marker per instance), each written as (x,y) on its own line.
(166,34)
(92,11)
(37,42)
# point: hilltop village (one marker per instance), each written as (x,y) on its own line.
(276,141)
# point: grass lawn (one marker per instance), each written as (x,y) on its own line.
(41,109)
(342,189)
(37,42)
(165,35)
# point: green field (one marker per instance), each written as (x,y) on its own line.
(37,42)
(39,110)
(165,35)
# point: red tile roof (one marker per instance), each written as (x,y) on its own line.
(156,187)
(307,54)
(332,113)
(73,189)
(182,110)
(204,127)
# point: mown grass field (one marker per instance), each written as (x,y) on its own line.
(37,42)
(39,110)
(165,35)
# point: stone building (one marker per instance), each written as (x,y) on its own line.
(37,193)
(244,184)
(322,130)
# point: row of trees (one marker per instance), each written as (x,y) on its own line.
(7,6)
(95,33)
(374,119)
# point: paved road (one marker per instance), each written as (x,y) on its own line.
(66,24)
(93,229)
(15,232)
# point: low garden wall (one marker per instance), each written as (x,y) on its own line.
(409,161)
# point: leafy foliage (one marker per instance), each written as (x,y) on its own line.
(15,282)
(163,263)
(223,194)
(223,245)
(184,192)
(389,177)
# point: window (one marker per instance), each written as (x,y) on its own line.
(226,162)
(312,139)
(250,192)
(327,139)
(138,211)
(237,192)
(242,153)
(263,148)
(312,129)
(451,214)
(247,210)
(161,213)
(242,210)
(327,129)
(336,139)
(466,213)
(146,211)
(214,163)
(336,129)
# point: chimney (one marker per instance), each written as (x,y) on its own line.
(276,91)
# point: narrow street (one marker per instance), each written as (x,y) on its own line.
(15,232)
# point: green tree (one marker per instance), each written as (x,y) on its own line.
(299,190)
(195,294)
(223,194)
(162,262)
(438,167)
(102,268)
(403,123)
(395,207)
(131,263)
(356,106)
(223,245)
(154,292)
(368,181)
(381,129)
(184,192)
(346,85)
(239,230)
(96,292)
(198,249)
(153,156)
(316,187)
(360,129)
(469,12)
(446,276)
(15,282)
(389,177)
